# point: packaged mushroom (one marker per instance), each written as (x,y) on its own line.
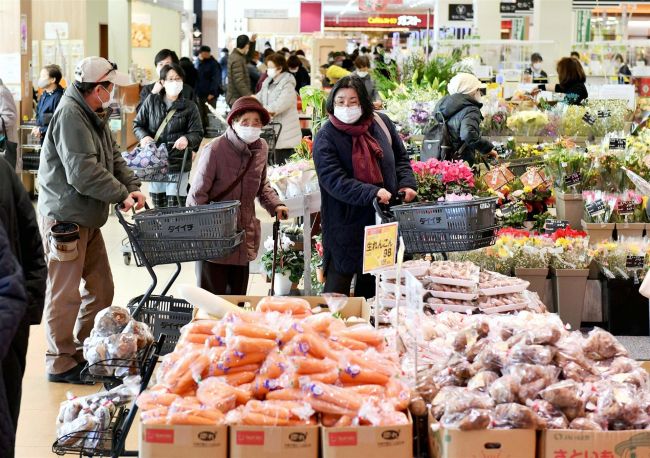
(454,273)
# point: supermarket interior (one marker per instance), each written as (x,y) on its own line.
(325,229)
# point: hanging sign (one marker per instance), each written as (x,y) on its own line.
(461,12)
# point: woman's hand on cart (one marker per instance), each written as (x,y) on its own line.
(136,199)
(407,194)
(181,143)
(282,212)
(383,196)
(145,141)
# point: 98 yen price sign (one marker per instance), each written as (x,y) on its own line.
(379,247)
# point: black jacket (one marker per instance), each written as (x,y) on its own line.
(575,92)
(186,121)
(191,75)
(302,78)
(13,300)
(463,115)
(18,217)
(187,93)
(209,78)
(346,203)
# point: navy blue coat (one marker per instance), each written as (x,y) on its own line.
(13,304)
(46,108)
(346,203)
(209,78)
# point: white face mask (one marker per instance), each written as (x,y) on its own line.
(293,70)
(478,96)
(362,74)
(173,88)
(348,115)
(105,105)
(537,66)
(247,134)
(272,72)
(43,83)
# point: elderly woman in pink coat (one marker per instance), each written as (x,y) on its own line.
(233,167)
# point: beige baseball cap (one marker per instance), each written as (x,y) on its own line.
(97,69)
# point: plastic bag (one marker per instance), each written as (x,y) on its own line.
(111,320)
(470,420)
(516,416)
(565,396)
(602,345)
(452,400)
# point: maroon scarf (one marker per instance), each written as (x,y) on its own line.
(365,150)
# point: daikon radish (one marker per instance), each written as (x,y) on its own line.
(204,300)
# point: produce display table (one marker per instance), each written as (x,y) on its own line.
(304,206)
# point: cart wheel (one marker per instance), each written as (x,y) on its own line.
(127,258)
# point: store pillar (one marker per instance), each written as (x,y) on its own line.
(487,19)
(119,33)
(553,20)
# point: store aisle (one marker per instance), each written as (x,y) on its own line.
(41,399)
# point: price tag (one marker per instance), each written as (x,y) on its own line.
(589,118)
(604,113)
(573,179)
(596,208)
(616,143)
(379,247)
(511,208)
(635,262)
(626,207)
(552,225)
(500,149)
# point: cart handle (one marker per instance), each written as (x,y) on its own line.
(383,210)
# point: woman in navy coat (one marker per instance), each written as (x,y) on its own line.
(359,157)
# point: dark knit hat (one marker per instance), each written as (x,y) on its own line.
(248,103)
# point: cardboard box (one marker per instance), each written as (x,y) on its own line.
(175,441)
(601,444)
(368,442)
(494,443)
(273,442)
(355,307)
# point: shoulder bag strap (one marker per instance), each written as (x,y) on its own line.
(234,184)
(384,127)
(164,124)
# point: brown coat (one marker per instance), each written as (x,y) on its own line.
(221,162)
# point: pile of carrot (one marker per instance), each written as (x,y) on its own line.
(278,365)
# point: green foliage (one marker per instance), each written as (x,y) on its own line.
(315,98)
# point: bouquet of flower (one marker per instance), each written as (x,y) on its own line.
(288,261)
(526,150)
(562,162)
(572,123)
(611,116)
(304,150)
(437,179)
(293,179)
(604,171)
(570,249)
(625,207)
(612,257)
(533,252)
(528,122)
(496,124)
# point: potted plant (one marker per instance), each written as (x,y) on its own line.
(317,271)
(437,180)
(570,269)
(289,264)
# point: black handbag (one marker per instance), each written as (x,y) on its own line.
(8,149)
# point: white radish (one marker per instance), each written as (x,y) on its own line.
(206,301)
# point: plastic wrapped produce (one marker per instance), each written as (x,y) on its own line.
(530,354)
(452,400)
(504,390)
(141,332)
(516,416)
(111,320)
(602,345)
(549,414)
(482,381)
(470,420)
(565,396)
(585,424)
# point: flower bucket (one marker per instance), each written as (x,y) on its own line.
(282,284)
(537,279)
(570,207)
(307,181)
(628,230)
(625,310)
(598,232)
(569,286)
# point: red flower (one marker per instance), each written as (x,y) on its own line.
(568,233)
(513,232)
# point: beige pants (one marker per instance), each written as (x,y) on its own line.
(76,291)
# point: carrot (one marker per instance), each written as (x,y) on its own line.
(152,399)
(251,345)
(259,419)
(334,395)
(322,323)
(307,365)
(287,394)
(182,418)
(328,419)
(211,414)
(231,359)
(200,327)
(254,331)
(367,390)
(313,344)
(290,333)
(345,420)
(157,415)
(328,377)
(355,374)
(238,379)
(196,338)
(214,370)
(270,409)
(186,380)
(347,342)
(293,305)
(274,365)
(363,334)
(376,363)
(398,393)
(329,407)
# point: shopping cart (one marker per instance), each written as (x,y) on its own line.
(270,133)
(173,236)
(158,174)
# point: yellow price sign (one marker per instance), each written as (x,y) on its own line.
(379,247)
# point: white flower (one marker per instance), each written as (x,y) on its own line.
(286,243)
(268,244)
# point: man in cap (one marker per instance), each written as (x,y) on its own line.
(80,175)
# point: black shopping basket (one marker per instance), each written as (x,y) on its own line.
(443,227)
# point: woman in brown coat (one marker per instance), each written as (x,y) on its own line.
(238,157)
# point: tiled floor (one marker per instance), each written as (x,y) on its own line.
(40,402)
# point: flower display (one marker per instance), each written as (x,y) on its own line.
(565,161)
(528,122)
(625,207)
(496,123)
(437,179)
(571,249)
(612,258)
(293,179)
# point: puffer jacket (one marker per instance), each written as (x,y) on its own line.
(81,171)
(186,122)
(12,308)
(220,163)
(463,115)
(18,218)
(278,95)
(239,80)
(46,108)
